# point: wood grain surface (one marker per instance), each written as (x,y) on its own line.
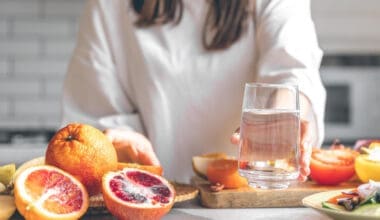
(248,197)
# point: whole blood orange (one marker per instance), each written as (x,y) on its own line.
(150,168)
(83,151)
(47,192)
(225,171)
(136,194)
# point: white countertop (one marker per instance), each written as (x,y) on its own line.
(193,211)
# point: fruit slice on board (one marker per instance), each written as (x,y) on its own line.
(225,171)
(150,168)
(136,194)
(47,192)
(201,162)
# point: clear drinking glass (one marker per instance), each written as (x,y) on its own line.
(269,135)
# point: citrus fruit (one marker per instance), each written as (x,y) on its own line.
(47,192)
(6,173)
(83,151)
(332,166)
(150,168)
(225,171)
(7,205)
(30,163)
(367,169)
(137,194)
(200,163)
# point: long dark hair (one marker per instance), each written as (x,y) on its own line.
(224,25)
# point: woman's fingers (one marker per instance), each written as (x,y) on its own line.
(132,147)
(305,150)
(235,138)
(149,159)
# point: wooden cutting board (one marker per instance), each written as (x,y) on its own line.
(254,198)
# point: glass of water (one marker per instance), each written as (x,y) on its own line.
(270,135)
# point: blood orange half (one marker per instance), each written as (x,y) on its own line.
(137,194)
(47,192)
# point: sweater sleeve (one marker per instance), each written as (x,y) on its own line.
(288,52)
(94,92)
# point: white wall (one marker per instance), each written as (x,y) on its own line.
(348,26)
(36,41)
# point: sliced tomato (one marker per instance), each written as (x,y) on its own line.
(332,166)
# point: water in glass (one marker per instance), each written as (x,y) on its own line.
(269,141)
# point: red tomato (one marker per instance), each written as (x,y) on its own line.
(332,166)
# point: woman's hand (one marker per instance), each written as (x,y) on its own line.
(305,149)
(132,146)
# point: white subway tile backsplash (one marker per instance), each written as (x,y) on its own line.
(18,47)
(58,47)
(20,122)
(20,8)
(44,27)
(5,108)
(14,88)
(67,8)
(53,88)
(52,122)
(41,67)
(4,67)
(37,38)
(37,107)
(4,27)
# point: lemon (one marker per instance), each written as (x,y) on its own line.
(201,162)
(367,169)
(6,173)
(8,206)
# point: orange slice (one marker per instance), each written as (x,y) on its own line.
(46,192)
(150,168)
(225,171)
(201,162)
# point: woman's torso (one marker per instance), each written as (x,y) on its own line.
(189,99)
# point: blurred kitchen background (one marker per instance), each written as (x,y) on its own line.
(38,36)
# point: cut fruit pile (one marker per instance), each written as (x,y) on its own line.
(81,162)
(137,194)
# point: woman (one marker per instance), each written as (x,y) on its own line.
(166,77)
